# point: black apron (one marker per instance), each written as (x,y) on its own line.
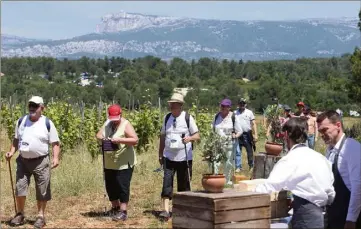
(337,211)
(305,213)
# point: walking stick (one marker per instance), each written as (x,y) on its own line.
(188,170)
(12,187)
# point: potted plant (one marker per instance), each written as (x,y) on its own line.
(274,145)
(214,152)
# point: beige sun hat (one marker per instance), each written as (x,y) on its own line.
(176,98)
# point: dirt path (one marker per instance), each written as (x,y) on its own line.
(85,212)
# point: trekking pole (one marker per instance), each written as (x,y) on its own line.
(105,191)
(188,170)
(12,187)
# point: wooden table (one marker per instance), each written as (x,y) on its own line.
(230,209)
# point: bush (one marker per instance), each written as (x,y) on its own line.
(354,131)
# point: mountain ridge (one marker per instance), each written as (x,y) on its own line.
(134,35)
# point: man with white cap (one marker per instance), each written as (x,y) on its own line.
(33,134)
(178,132)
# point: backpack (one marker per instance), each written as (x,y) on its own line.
(233,121)
(186,117)
(47,122)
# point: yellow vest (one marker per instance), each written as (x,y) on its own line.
(123,158)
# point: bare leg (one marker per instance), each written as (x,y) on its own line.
(20,202)
(123,206)
(115,203)
(41,208)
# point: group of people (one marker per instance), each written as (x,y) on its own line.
(329,185)
(316,182)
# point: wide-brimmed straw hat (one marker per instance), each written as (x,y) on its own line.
(176,98)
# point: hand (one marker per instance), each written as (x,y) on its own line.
(8,155)
(55,163)
(116,140)
(255,138)
(234,135)
(187,139)
(349,225)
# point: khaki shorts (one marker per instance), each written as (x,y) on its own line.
(40,168)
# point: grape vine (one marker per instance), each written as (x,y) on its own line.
(78,124)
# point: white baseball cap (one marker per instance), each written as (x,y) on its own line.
(37,100)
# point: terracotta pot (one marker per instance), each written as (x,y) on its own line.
(213,183)
(237,178)
(273,148)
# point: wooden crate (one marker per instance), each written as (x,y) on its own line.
(279,201)
(230,209)
(263,165)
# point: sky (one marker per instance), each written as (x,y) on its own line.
(66,19)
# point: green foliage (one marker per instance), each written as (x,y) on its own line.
(354,131)
(319,82)
(273,114)
(214,149)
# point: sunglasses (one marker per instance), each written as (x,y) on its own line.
(34,105)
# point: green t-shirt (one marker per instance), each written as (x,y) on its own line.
(123,158)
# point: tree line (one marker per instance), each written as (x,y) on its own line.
(321,83)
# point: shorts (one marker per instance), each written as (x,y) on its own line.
(40,168)
(117,184)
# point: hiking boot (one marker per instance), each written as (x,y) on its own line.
(164,215)
(19,219)
(120,216)
(39,222)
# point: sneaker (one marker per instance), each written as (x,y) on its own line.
(120,216)
(19,219)
(164,215)
(113,211)
(238,170)
(39,222)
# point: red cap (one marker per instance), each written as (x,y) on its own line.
(300,104)
(114,112)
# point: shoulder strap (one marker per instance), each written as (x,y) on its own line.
(166,119)
(47,123)
(21,120)
(214,122)
(187,119)
(233,120)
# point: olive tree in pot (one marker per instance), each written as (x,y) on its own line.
(214,152)
(274,146)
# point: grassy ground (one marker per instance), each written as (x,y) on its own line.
(78,190)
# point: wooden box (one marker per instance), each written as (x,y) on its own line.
(279,201)
(230,209)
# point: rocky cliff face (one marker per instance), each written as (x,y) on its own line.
(134,35)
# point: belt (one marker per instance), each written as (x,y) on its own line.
(34,158)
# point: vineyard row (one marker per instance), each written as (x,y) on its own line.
(78,124)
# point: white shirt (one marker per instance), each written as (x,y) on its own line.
(34,138)
(175,151)
(224,127)
(304,172)
(245,119)
(349,166)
